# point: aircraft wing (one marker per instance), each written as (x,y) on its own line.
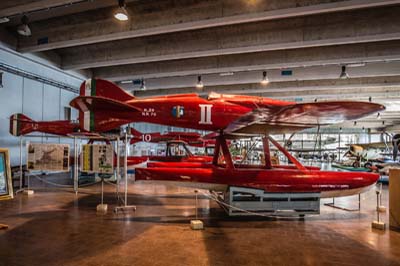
(373,145)
(296,117)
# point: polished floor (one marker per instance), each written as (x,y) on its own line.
(58,227)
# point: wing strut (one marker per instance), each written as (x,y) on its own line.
(267,152)
(222,145)
(287,154)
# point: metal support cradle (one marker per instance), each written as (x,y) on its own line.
(332,204)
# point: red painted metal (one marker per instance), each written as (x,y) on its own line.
(282,179)
(270,180)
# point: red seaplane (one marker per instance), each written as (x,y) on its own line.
(104,106)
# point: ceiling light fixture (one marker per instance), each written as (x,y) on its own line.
(4,20)
(199,84)
(343,74)
(126,81)
(142,85)
(361,64)
(264,80)
(226,74)
(121,13)
(24,29)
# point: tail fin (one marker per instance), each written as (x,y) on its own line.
(136,136)
(104,94)
(104,88)
(20,124)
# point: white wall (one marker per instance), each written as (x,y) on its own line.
(37,100)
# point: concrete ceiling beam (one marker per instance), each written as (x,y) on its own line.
(318,56)
(295,33)
(11,8)
(385,86)
(77,29)
(330,73)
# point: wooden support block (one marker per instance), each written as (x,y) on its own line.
(196,225)
(381,208)
(378,225)
(28,192)
(3,226)
(102,208)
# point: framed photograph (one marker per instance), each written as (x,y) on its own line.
(6,191)
(48,157)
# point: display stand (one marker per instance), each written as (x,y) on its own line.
(126,207)
(332,204)
(21,175)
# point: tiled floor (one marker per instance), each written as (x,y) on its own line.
(57,227)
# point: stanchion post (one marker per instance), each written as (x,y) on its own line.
(118,168)
(378,224)
(76,161)
(377,205)
(126,168)
(195,192)
(20,163)
(196,224)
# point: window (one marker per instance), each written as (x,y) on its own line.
(67,113)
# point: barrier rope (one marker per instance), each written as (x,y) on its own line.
(61,185)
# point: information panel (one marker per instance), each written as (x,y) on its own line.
(48,157)
(97,159)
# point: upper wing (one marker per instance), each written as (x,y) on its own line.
(95,103)
(295,117)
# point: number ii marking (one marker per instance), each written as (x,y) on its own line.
(205,114)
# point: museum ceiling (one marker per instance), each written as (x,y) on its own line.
(310,50)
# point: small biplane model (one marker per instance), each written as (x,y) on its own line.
(103,106)
(176,149)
